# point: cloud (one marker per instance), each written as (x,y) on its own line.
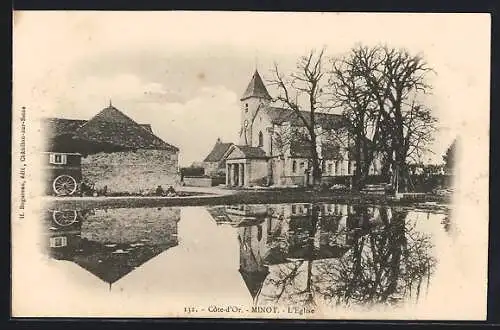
(192,125)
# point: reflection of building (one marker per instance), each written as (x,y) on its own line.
(304,249)
(252,241)
(239,214)
(112,243)
(288,232)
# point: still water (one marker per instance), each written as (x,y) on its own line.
(279,260)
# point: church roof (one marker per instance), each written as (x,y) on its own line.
(245,152)
(256,88)
(217,152)
(111,126)
(302,149)
(254,280)
(282,115)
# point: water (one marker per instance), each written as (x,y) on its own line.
(282,260)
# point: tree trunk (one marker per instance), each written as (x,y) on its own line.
(316,166)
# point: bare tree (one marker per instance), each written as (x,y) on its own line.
(381,91)
(302,91)
(351,92)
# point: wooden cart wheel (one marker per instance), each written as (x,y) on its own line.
(64,185)
(64,218)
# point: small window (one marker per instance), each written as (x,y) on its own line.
(337,167)
(349,167)
(294,209)
(294,166)
(56,242)
(58,159)
(259,233)
(246,107)
(261,139)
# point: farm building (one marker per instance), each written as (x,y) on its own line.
(215,164)
(117,154)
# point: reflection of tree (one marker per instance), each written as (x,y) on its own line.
(446,222)
(387,260)
(388,263)
(295,279)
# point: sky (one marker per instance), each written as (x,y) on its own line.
(184,72)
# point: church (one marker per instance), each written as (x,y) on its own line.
(270,150)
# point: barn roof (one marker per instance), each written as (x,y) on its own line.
(110,126)
(218,151)
(53,127)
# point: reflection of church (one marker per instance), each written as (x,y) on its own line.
(285,233)
(102,243)
(291,233)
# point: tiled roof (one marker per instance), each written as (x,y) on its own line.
(53,127)
(252,152)
(282,115)
(110,126)
(331,151)
(256,88)
(59,126)
(218,152)
(302,149)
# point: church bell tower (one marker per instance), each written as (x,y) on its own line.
(254,97)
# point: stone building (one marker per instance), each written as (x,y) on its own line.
(270,150)
(117,153)
(215,164)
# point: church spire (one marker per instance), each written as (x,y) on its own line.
(256,88)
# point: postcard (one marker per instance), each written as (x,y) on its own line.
(250,165)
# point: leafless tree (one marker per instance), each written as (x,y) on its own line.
(381,91)
(302,91)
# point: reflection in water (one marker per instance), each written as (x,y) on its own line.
(297,254)
(112,243)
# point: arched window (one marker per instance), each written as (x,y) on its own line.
(259,233)
(246,107)
(261,139)
(294,166)
(337,167)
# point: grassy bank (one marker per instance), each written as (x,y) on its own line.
(240,197)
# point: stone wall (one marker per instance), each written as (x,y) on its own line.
(191,181)
(210,168)
(257,172)
(131,171)
(129,225)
